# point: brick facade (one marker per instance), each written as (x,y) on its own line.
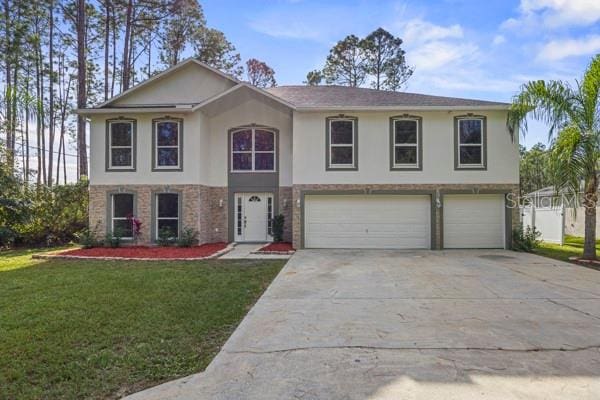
(211,225)
(353,188)
(205,208)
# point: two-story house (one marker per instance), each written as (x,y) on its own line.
(347,167)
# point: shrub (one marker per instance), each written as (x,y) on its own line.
(88,238)
(277,227)
(525,239)
(7,236)
(114,238)
(166,237)
(188,238)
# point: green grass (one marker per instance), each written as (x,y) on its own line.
(101,330)
(573,247)
(21,258)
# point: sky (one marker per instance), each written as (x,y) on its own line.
(462,48)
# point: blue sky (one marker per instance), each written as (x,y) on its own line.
(464,48)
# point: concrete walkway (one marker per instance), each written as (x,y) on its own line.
(411,325)
(244,251)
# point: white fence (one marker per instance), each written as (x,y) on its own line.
(550,222)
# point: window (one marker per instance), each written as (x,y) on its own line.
(122,211)
(341,143)
(167,214)
(167,144)
(406,142)
(470,142)
(253,149)
(120,139)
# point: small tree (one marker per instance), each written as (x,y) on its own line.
(277,227)
(260,74)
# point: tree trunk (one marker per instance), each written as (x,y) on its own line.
(38,117)
(126,44)
(114,52)
(106,45)
(590,200)
(8,93)
(81,88)
(51,92)
(27,105)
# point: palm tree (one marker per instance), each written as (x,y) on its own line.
(573,114)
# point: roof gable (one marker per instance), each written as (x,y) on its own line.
(189,82)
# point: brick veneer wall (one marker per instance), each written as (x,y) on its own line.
(211,225)
(298,189)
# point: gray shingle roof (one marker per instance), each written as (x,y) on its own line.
(344,96)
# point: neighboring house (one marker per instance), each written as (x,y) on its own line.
(347,167)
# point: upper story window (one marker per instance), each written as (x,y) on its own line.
(253,149)
(167,140)
(122,210)
(120,151)
(342,141)
(470,142)
(406,144)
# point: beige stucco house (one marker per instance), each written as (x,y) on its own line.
(347,167)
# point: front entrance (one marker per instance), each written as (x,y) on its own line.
(253,213)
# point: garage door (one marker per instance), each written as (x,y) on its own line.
(371,221)
(474,221)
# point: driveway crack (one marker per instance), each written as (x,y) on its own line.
(361,347)
(573,308)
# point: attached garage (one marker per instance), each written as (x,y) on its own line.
(376,221)
(473,221)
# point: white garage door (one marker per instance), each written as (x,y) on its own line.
(363,222)
(474,221)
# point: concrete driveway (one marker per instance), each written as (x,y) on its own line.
(351,324)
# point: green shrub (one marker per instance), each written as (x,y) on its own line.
(166,237)
(525,240)
(277,227)
(88,238)
(7,236)
(114,238)
(188,238)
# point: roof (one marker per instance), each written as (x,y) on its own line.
(345,97)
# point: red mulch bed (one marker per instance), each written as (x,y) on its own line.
(204,250)
(277,247)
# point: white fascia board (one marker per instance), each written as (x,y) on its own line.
(131,110)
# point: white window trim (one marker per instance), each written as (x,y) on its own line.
(178,146)
(254,152)
(111,147)
(113,218)
(459,144)
(157,218)
(351,145)
(415,145)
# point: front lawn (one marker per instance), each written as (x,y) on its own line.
(573,247)
(104,329)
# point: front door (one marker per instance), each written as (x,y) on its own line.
(253,213)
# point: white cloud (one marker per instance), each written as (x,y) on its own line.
(438,54)
(419,31)
(554,13)
(498,39)
(560,49)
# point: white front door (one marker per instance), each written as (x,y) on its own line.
(253,211)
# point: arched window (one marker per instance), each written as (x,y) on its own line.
(253,149)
